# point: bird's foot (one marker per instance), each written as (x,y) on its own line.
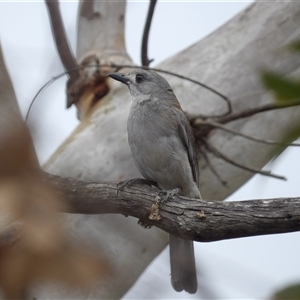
(128,183)
(168,195)
(161,198)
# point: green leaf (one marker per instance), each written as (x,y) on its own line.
(283,88)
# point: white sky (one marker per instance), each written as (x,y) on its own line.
(248,268)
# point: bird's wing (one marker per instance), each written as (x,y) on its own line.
(188,140)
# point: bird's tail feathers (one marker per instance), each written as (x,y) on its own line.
(183,268)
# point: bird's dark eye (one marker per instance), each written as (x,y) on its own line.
(139,78)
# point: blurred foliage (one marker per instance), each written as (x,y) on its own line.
(285,90)
(290,293)
(33,243)
(295,46)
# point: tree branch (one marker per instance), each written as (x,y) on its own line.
(194,118)
(144,54)
(199,220)
(225,157)
(61,41)
(215,125)
(253,111)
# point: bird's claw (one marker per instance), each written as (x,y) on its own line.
(167,195)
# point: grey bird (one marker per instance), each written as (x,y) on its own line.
(164,150)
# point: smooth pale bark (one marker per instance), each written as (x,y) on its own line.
(104,23)
(229,60)
(100,32)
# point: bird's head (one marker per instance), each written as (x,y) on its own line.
(143,82)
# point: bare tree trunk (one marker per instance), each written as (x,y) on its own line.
(229,60)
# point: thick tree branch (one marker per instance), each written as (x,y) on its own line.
(198,220)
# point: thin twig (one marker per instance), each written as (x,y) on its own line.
(40,90)
(253,111)
(233,162)
(223,119)
(229,108)
(211,167)
(144,53)
(225,128)
(67,58)
(201,84)
(118,67)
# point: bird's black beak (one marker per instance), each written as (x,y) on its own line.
(120,77)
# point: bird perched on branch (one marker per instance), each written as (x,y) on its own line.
(164,150)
